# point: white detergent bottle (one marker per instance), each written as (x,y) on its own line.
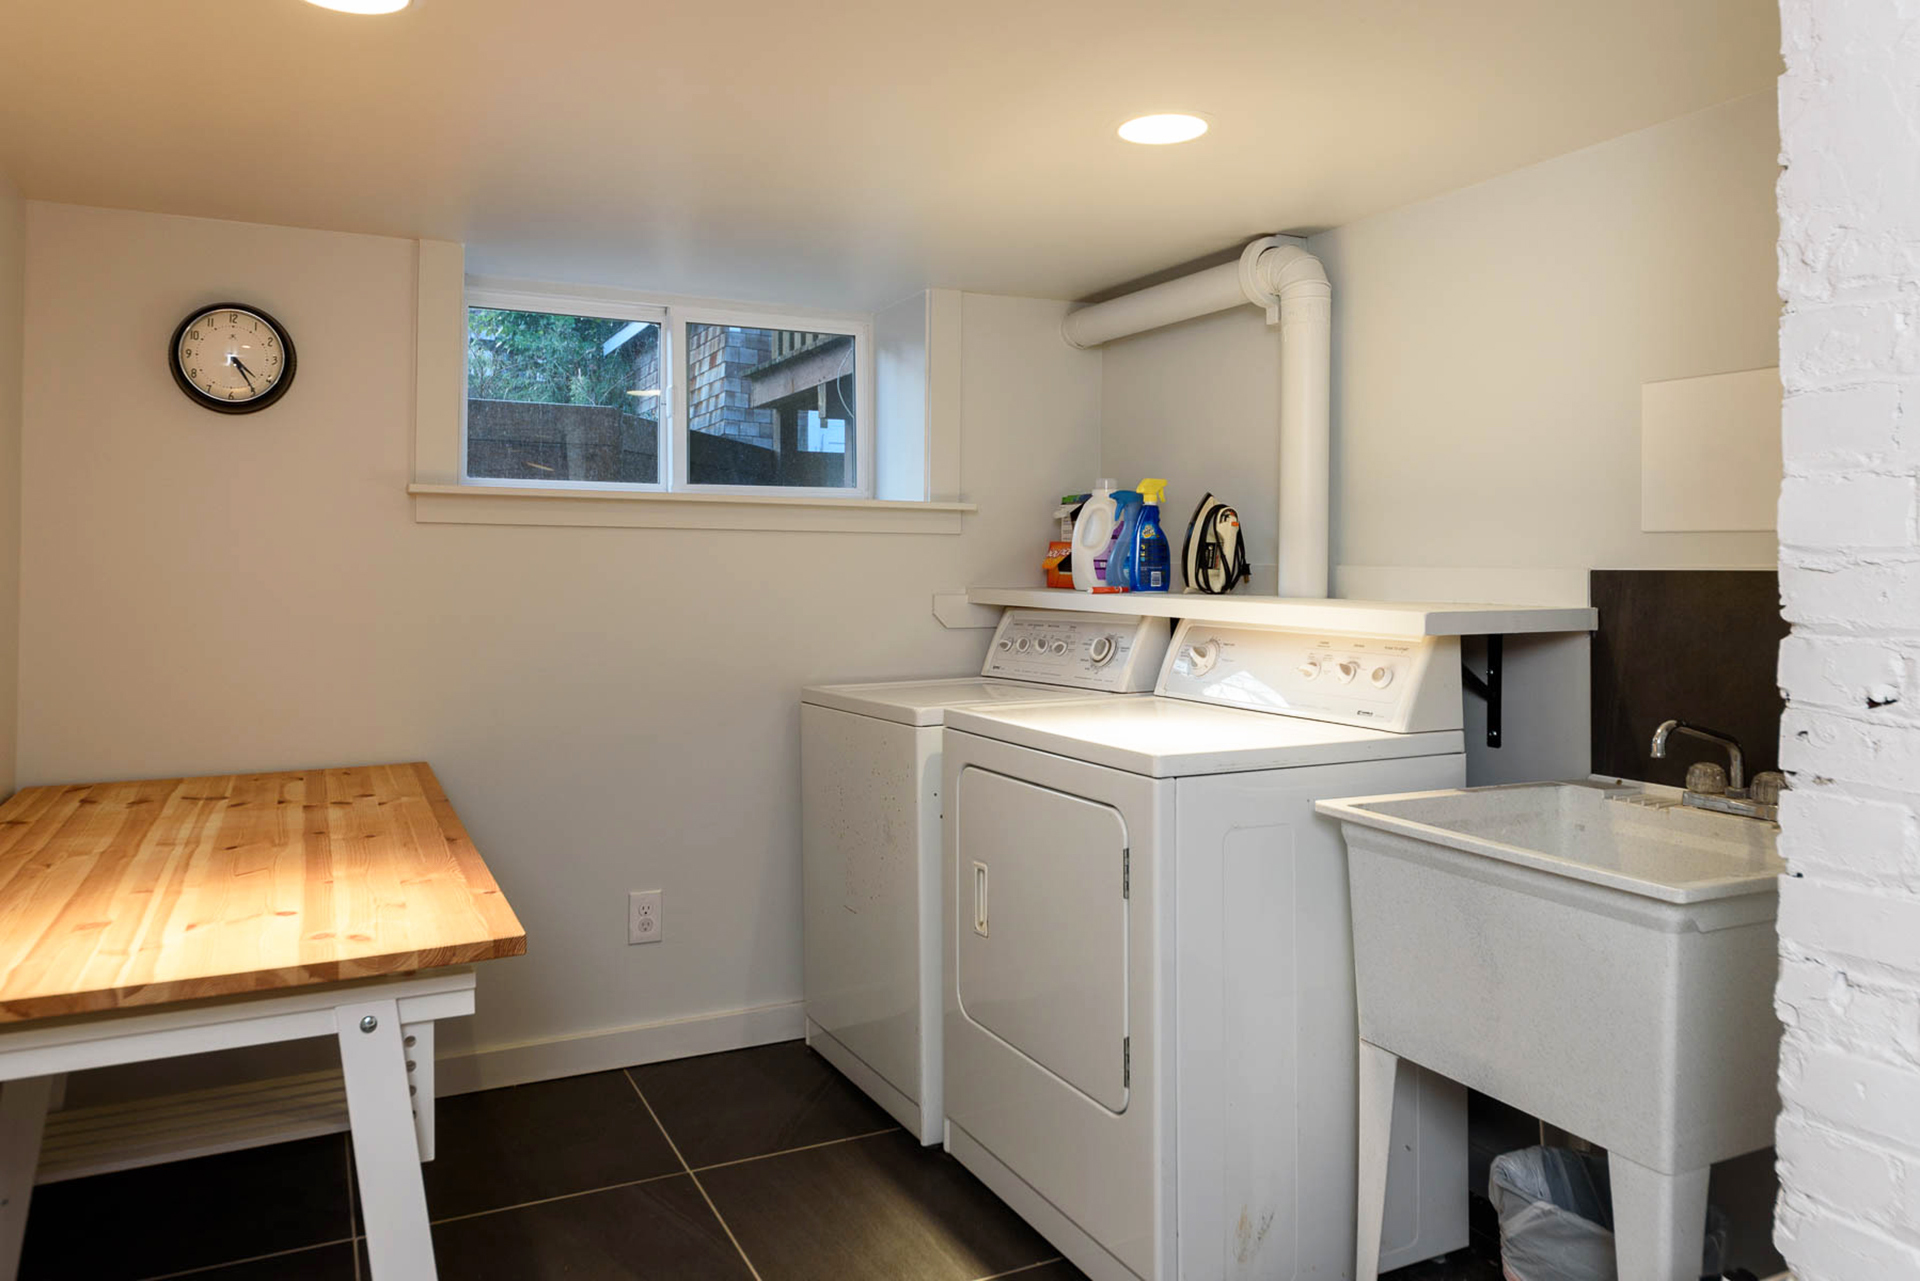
(1092,535)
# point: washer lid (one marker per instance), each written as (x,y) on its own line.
(1171,738)
(926,702)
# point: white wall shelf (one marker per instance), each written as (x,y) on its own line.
(1364,617)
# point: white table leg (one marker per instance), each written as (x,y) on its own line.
(393,1200)
(418,1040)
(1659,1221)
(23,1118)
(1377,1070)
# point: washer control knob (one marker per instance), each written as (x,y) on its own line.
(1023,644)
(1004,645)
(1058,647)
(1382,677)
(1100,649)
(1202,657)
(1309,669)
(1346,671)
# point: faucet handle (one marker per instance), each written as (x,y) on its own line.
(1707,778)
(1767,786)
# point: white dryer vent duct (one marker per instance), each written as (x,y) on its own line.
(1276,274)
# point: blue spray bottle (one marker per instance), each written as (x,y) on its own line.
(1150,564)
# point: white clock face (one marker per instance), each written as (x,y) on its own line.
(232,355)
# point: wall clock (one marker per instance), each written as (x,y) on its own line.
(232,358)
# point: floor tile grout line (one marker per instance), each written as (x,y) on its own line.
(651,1178)
(699,1187)
(252,1258)
(1025,1267)
(804,1147)
(560,1196)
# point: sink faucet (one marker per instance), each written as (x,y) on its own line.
(1762,802)
(1736,765)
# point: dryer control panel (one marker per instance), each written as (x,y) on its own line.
(1115,653)
(1399,684)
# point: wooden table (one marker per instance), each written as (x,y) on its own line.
(149,919)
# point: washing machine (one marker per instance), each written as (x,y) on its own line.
(1149,1000)
(870,839)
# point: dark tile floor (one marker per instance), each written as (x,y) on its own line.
(760,1163)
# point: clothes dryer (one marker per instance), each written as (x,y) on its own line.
(1150,1021)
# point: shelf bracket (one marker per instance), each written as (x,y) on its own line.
(1488,687)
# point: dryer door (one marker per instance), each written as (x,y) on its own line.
(1042,927)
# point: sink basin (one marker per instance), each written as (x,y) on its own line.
(1649,845)
(1599,956)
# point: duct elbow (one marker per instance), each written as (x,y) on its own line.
(1288,272)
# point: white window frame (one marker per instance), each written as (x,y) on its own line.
(575,305)
(671,449)
(864,404)
(919,425)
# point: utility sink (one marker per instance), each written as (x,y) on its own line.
(1599,956)
(1625,837)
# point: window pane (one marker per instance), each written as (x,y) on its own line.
(562,397)
(770,407)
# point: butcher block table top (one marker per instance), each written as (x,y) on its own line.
(175,889)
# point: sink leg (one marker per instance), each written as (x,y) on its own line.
(1377,1070)
(1659,1221)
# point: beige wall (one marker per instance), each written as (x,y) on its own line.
(610,709)
(13,213)
(1489,348)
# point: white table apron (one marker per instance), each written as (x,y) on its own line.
(384,1028)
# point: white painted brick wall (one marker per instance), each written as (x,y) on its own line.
(1849,994)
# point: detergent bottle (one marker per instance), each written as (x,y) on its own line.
(1119,571)
(1149,563)
(1092,535)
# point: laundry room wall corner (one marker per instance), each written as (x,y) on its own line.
(610,709)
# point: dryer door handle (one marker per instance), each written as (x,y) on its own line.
(980,899)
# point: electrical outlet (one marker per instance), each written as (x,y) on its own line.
(643,916)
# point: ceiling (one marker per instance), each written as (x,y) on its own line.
(839,154)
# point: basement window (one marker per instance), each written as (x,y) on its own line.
(584,393)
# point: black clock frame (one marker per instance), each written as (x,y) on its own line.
(258,403)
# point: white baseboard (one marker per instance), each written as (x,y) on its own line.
(607,1048)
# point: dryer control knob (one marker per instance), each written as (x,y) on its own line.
(1308,670)
(1382,677)
(1100,649)
(1202,657)
(1346,671)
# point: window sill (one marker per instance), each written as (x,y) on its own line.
(514,505)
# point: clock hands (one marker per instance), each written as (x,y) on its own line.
(245,373)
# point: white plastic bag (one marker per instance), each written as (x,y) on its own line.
(1556,1217)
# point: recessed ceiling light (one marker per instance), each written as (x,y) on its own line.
(363,6)
(1158,131)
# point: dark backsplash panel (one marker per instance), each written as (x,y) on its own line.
(1701,645)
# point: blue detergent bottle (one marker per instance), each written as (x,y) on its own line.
(1149,564)
(1119,570)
